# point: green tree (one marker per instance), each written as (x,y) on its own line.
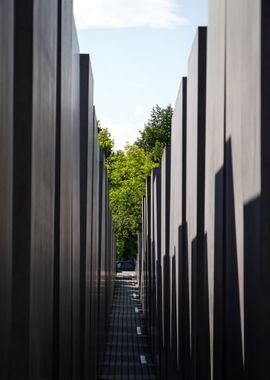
(157,132)
(127,172)
(106,141)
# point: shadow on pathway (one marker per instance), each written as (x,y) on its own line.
(127,353)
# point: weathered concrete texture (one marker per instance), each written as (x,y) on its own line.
(198,289)
(214,179)
(176,222)
(6,152)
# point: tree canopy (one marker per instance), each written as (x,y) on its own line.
(105,141)
(157,132)
(127,172)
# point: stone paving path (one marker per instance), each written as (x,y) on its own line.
(127,354)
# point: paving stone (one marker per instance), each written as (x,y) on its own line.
(122,358)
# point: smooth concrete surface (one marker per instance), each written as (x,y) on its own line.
(152,271)
(76,208)
(243,162)
(86,192)
(195,176)
(42,188)
(176,221)
(165,257)
(51,177)
(148,253)
(157,316)
(101,255)
(63,264)
(94,254)
(263,272)
(214,179)
(6,164)
(33,189)
(183,332)
(242,153)
(21,223)
(247,168)
(143,260)
(225,304)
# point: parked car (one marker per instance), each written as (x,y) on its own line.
(126,266)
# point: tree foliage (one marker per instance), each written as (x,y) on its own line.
(157,132)
(105,141)
(127,172)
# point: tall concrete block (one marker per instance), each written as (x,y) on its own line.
(101,257)
(198,281)
(86,200)
(176,223)
(156,234)
(43,187)
(54,223)
(214,180)
(247,189)
(6,165)
(183,304)
(165,259)
(76,208)
(152,269)
(143,270)
(139,261)
(148,276)
(32,166)
(64,191)
(95,253)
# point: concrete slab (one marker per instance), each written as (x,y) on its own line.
(6,163)
(215,179)
(198,281)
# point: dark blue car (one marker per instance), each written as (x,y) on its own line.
(128,266)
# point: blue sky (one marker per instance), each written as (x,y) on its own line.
(139,51)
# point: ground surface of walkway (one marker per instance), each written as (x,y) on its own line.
(127,354)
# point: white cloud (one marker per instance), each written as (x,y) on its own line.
(127,13)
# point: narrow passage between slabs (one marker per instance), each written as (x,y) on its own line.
(127,355)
